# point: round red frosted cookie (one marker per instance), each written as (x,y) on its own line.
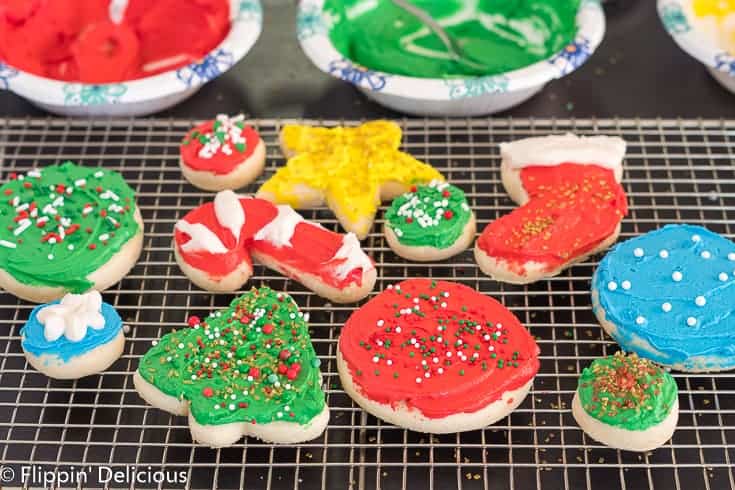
(437,357)
(224,153)
(571,206)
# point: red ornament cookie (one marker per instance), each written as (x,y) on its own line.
(437,357)
(214,243)
(571,206)
(223,153)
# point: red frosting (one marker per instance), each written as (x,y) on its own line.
(572,208)
(497,354)
(312,250)
(74,40)
(220,163)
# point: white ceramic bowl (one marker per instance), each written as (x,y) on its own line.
(448,97)
(145,95)
(678,19)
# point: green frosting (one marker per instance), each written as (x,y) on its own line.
(501,35)
(627,391)
(60,223)
(431,215)
(251,362)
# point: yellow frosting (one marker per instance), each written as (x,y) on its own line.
(718,8)
(346,167)
(717,19)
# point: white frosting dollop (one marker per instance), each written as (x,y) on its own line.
(281,229)
(548,151)
(202,238)
(229,212)
(72,316)
(353,257)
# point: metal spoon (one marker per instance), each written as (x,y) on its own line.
(454,49)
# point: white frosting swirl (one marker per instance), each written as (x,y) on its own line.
(72,316)
(549,151)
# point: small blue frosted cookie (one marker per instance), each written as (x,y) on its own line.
(74,337)
(669,295)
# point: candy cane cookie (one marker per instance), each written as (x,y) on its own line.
(224,153)
(571,205)
(215,243)
(66,228)
(436,357)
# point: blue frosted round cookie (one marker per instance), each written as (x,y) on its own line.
(669,295)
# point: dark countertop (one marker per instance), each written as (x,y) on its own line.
(638,71)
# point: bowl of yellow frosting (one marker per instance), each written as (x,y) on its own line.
(502,52)
(705,29)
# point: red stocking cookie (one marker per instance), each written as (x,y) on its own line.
(222,154)
(571,206)
(214,243)
(437,357)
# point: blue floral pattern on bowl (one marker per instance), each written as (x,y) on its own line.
(572,56)
(358,75)
(725,62)
(210,67)
(6,73)
(86,95)
(473,87)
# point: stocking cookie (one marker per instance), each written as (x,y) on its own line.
(247,370)
(668,295)
(626,402)
(214,243)
(349,169)
(571,206)
(66,228)
(72,338)
(430,222)
(224,153)
(437,357)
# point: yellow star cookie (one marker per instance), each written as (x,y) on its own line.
(351,169)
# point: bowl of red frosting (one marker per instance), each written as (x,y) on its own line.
(117,57)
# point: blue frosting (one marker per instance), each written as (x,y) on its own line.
(35,342)
(671,295)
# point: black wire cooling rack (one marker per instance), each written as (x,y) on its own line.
(676,171)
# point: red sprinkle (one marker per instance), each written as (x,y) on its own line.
(448,214)
(193,320)
(103,213)
(243,404)
(8,192)
(413,188)
(409,220)
(267,329)
(60,188)
(13,176)
(292,374)
(446,193)
(27,185)
(92,246)
(284,354)
(254,372)
(208,392)
(282,368)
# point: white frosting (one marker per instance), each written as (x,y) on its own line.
(353,257)
(71,316)
(202,238)
(548,151)
(229,212)
(281,229)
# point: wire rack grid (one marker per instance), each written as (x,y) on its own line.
(676,171)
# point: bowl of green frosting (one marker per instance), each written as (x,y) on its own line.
(502,52)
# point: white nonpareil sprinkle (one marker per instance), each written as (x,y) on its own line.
(612,285)
(638,252)
(663,254)
(705,254)
(696,238)
(731,256)
(640,320)
(691,321)
(666,307)
(625,285)
(677,276)
(723,276)
(700,301)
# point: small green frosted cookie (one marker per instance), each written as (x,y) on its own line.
(626,402)
(430,222)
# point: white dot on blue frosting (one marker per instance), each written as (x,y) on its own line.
(666,307)
(705,254)
(612,285)
(638,252)
(664,254)
(640,320)
(691,321)
(696,238)
(723,276)
(700,301)
(625,285)
(731,256)
(677,276)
